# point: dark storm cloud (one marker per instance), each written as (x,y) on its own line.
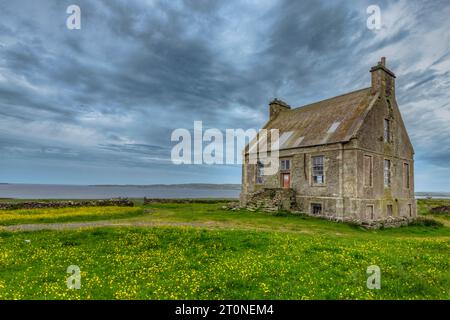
(113,91)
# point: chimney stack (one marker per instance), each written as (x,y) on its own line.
(383,79)
(277,106)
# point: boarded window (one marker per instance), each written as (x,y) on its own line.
(368,171)
(387,130)
(387,173)
(317,169)
(316,208)
(285,164)
(259,173)
(389,210)
(370,212)
(406,175)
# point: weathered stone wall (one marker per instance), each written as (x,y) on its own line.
(65,204)
(184,201)
(399,151)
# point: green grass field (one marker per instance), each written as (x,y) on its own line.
(201,251)
(22,216)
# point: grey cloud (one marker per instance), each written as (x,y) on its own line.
(136,71)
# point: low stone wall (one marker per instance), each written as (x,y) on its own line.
(441,210)
(184,201)
(65,204)
(389,222)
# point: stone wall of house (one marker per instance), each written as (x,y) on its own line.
(399,151)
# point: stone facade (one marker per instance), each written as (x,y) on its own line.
(367,161)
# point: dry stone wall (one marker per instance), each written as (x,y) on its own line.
(65,204)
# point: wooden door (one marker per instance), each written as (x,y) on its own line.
(286,180)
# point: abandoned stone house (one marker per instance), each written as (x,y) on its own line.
(346,158)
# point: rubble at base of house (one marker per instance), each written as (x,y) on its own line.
(271,200)
(389,222)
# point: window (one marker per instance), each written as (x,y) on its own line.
(285,164)
(368,171)
(406,175)
(410,210)
(387,173)
(259,173)
(387,131)
(317,169)
(389,210)
(370,212)
(316,208)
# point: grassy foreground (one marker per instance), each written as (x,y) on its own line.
(51,215)
(226,255)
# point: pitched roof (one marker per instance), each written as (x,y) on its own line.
(329,121)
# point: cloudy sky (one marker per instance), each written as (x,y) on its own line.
(98,105)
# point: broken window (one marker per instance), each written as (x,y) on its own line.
(316,208)
(406,175)
(387,173)
(317,169)
(387,131)
(259,173)
(368,171)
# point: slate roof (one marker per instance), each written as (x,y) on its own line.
(329,121)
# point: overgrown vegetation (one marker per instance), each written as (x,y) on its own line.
(212,253)
(426,222)
(188,263)
(425,208)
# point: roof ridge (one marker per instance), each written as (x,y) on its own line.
(338,96)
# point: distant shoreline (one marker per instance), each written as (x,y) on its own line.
(43,191)
(180,186)
(183,186)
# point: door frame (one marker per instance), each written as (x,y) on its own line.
(283,174)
